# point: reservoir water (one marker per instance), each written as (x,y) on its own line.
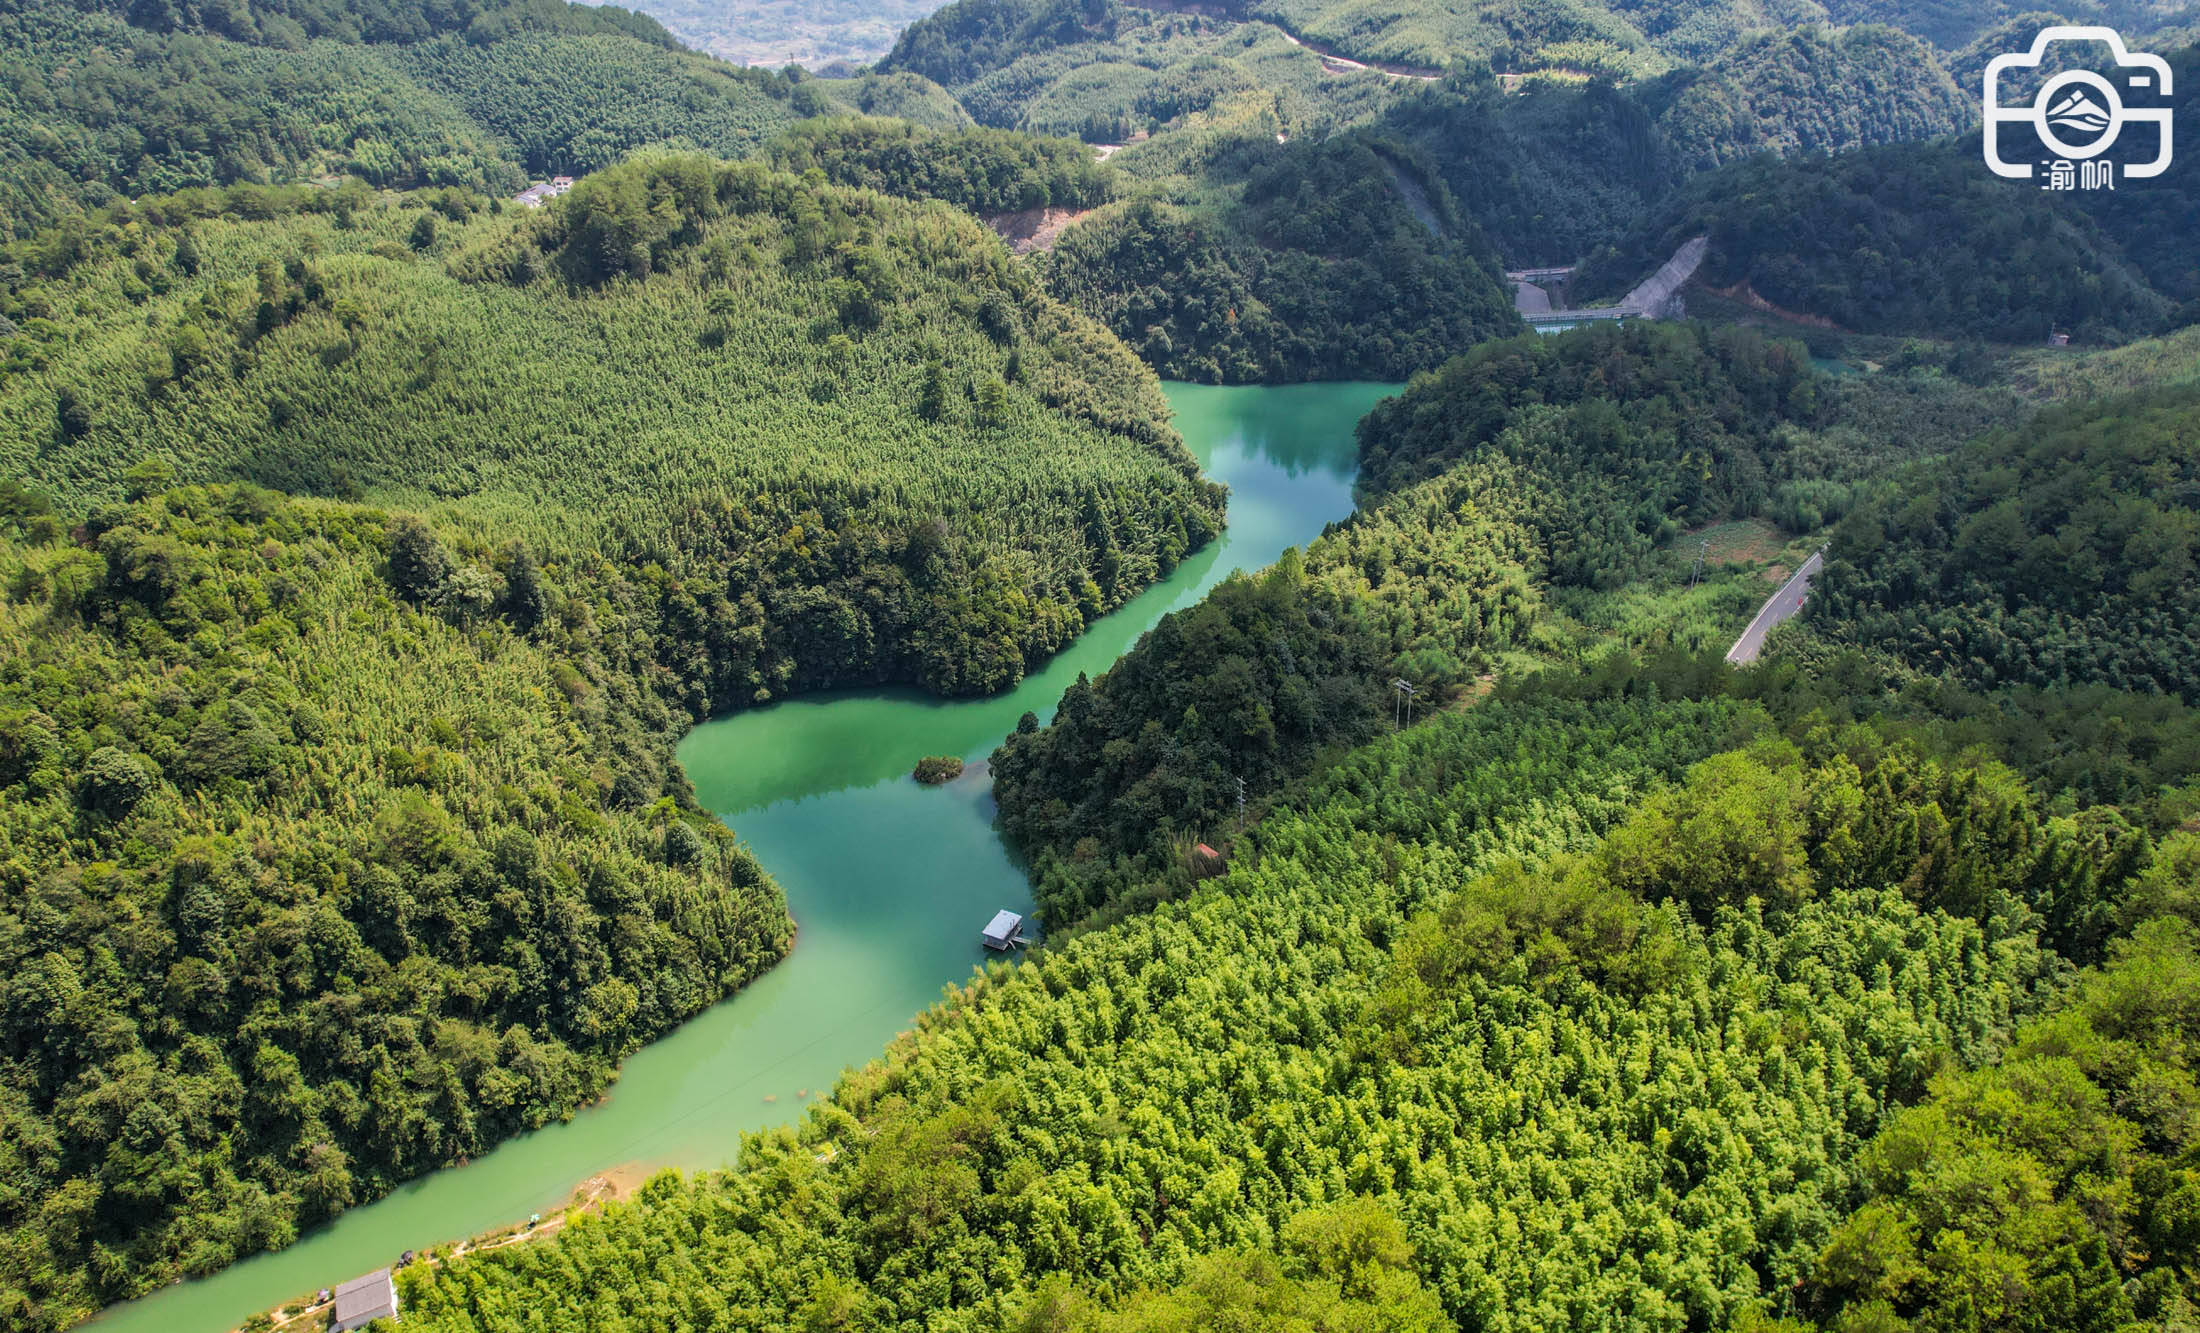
(888,881)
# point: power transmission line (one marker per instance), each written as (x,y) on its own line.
(1402,707)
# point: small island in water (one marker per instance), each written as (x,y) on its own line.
(935,769)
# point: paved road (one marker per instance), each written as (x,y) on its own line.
(1778,607)
(1580,315)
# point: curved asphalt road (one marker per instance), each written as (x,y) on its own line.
(1778,607)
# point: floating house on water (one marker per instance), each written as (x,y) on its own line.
(363,1300)
(1004,931)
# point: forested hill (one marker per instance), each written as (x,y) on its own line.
(1339,258)
(985,172)
(1616,38)
(2068,551)
(1264,238)
(1550,168)
(1753,82)
(1759,83)
(1564,168)
(291,23)
(1637,990)
(1508,501)
(1809,91)
(101,100)
(312,884)
(1578,32)
(340,838)
(901,96)
(717,371)
(1499,1026)
(1951,251)
(1920,239)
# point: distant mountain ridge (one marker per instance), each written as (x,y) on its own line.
(106,99)
(773,33)
(1921,239)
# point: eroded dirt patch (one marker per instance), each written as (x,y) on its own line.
(1035,228)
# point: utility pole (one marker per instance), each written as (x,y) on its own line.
(1403,707)
(1241,798)
(1702,554)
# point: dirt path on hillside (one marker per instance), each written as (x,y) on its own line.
(1336,64)
(1747,295)
(1331,61)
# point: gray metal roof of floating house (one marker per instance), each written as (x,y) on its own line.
(363,1300)
(1000,932)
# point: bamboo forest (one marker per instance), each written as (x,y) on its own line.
(1082,666)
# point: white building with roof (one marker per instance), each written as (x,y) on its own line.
(1004,931)
(363,1300)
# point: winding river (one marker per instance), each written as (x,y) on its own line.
(888,882)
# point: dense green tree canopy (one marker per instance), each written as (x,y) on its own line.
(1342,259)
(305,888)
(901,96)
(1609,1049)
(103,100)
(1596,985)
(1918,239)
(1527,483)
(718,368)
(1561,170)
(979,171)
(347,843)
(2062,553)
(2053,1191)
